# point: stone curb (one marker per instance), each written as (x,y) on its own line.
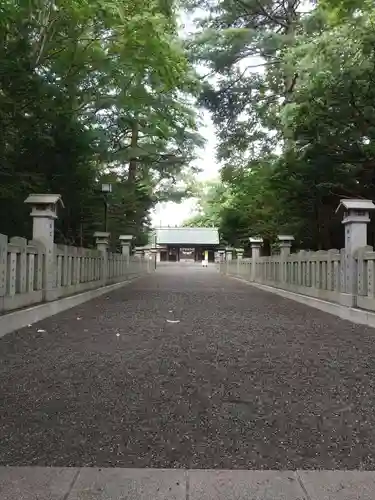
(74,483)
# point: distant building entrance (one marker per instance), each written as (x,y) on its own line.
(185,244)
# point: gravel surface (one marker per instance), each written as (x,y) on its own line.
(237,378)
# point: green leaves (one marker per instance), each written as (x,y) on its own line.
(298,133)
(91,89)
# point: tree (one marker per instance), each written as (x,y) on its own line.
(242,43)
(210,196)
(78,79)
(325,116)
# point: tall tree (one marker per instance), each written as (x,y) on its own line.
(317,81)
(242,43)
(78,77)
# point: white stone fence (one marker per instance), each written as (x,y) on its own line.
(343,276)
(37,271)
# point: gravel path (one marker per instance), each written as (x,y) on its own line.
(244,379)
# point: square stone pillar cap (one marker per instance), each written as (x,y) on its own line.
(44,205)
(44,199)
(285,238)
(356,210)
(125,238)
(255,240)
(101,234)
(240,250)
(356,204)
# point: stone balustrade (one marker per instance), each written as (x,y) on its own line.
(36,271)
(344,277)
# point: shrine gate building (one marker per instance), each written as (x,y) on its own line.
(185,244)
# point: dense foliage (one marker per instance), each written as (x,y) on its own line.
(93,91)
(297,132)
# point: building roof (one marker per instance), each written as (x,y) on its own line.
(187,236)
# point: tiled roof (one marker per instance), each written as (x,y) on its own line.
(187,236)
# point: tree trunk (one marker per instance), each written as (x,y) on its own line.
(290,76)
(133,145)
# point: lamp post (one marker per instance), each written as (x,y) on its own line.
(106,189)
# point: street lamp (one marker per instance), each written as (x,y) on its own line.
(106,189)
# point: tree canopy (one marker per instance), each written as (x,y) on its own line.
(93,91)
(296,132)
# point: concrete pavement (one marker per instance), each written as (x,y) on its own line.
(188,385)
(44,483)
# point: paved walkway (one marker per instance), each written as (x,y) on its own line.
(46,483)
(189,369)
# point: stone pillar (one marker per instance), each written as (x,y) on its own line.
(102,241)
(256,244)
(356,217)
(228,254)
(151,264)
(44,213)
(125,241)
(138,252)
(286,242)
(158,255)
(239,252)
(222,263)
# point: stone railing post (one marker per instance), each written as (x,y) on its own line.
(44,213)
(151,261)
(285,242)
(221,258)
(228,254)
(256,244)
(102,242)
(158,254)
(125,241)
(356,217)
(239,252)
(138,252)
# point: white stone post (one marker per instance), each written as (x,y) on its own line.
(125,241)
(102,242)
(286,242)
(256,244)
(151,261)
(356,218)
(138,252)
(44,213)
(222,263)
(158,254)
(228,254)
(239,252)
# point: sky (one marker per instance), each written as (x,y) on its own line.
(173,214)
